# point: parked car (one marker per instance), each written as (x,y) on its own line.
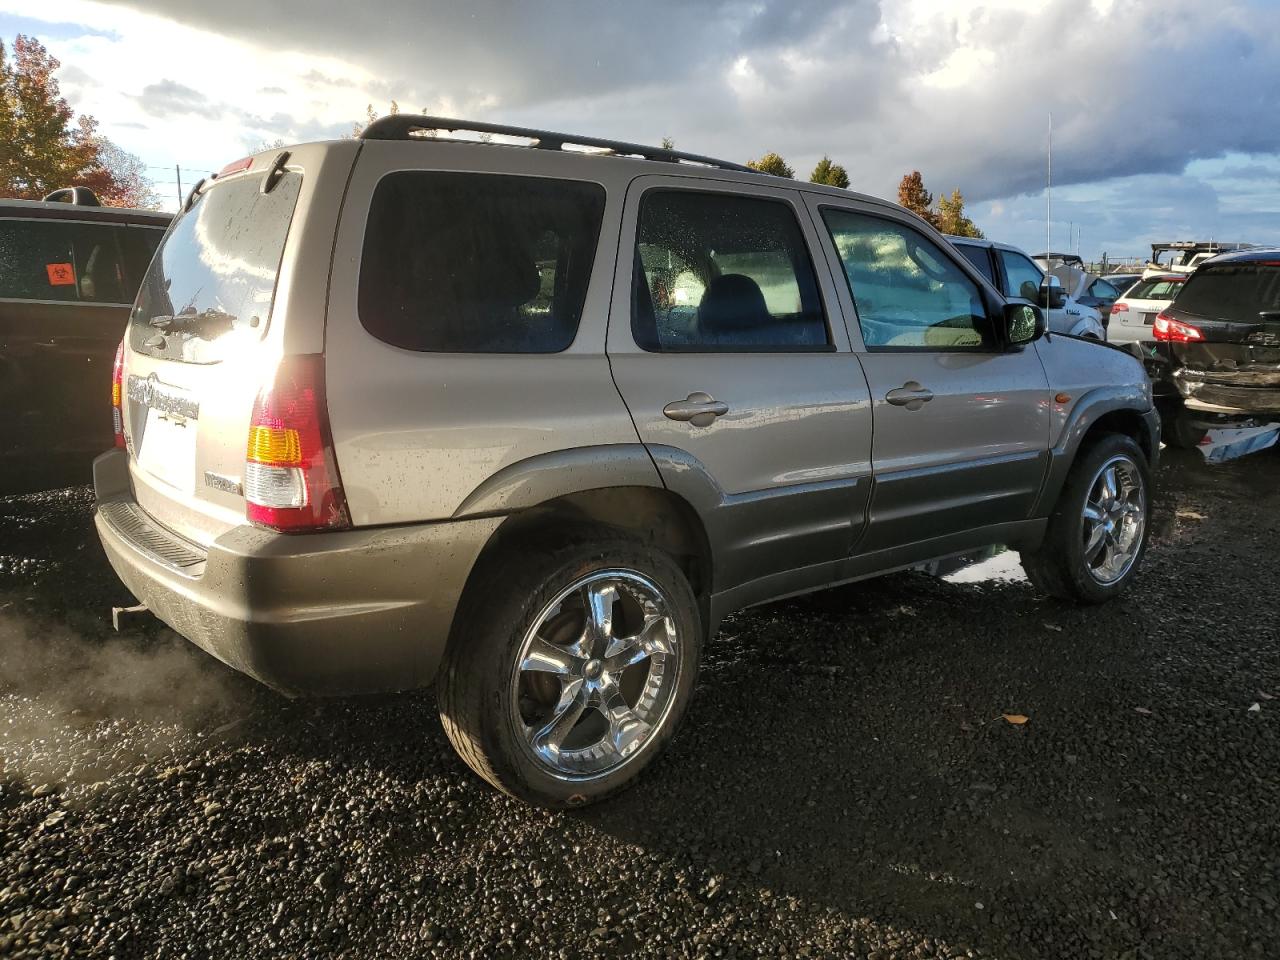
(1133,316)
(1217,355)
(535,445)
(1018,277)
(1183,256)
(69,270)
(1080,286)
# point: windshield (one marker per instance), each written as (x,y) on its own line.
(1235,292)
(210,287)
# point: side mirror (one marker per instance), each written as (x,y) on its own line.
(1023,323)
(1052,296)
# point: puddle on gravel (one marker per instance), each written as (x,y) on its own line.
(75,709)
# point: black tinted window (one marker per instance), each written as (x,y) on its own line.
(1237,292)
(979,257)
(723,273)
(211,285)
(1022,278)
(72,261)
(478,263)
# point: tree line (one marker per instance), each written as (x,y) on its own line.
(44,145)
(947,215)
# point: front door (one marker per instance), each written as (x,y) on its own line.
(744,392)
(961,423)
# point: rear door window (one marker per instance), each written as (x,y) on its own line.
(723,273)
(478,263)
(71,261)
(209,291)
(1235,292)
(979,257)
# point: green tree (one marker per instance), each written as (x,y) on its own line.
(44,145)
(372,115)
(913,196)
(774,164)
(830,174)
(951,218)
(668,143)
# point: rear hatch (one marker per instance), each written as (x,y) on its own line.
(1223,334)
(212,319)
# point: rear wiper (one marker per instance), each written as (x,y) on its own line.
(211,321)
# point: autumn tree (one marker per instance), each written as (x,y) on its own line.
(44,145)
(774,164)
(913,196)
(951,218)
(830,174)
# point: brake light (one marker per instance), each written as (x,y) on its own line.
(235,166)
(291,478)
(117,395)
(1174,331)
(1120,307)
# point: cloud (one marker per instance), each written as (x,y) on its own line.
(169,98)
(959,89)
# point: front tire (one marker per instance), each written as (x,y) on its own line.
(1097,534)
(570,668)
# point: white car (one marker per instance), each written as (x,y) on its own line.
(1017,276)
(1133,315)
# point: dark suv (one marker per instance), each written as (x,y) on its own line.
(69,270)
(1217,356)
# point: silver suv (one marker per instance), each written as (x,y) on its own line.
(527,416)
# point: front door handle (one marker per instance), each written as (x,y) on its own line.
(698,408)
(910,395)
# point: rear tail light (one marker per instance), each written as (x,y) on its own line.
(291,478)
(1120,307)
(117,395)
(1174,331)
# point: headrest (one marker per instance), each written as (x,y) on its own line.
(732,302)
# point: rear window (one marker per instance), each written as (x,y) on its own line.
(478,263)
(1235,292)
(1157,288)
(70,261)
(209,291)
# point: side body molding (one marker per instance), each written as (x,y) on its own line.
(559,473)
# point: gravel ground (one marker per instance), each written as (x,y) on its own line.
(845,786)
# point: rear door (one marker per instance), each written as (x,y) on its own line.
(743,390)
(961,425)
(239,282)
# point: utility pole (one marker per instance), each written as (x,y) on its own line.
(177,168)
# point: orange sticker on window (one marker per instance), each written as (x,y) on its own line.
(60,274)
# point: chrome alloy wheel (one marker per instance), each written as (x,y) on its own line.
(1114,516)
(596,675)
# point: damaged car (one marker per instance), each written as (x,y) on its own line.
(1216,357)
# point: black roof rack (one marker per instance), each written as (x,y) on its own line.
(400,126)
(80,196)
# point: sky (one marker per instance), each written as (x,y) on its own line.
(1164,111)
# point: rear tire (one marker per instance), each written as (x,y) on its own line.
(1097,535)
(570,668)
(1179,432)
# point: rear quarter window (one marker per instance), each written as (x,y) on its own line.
(478,263)
(72,261)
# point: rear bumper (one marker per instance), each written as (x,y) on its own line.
(1216,378)
(359,611)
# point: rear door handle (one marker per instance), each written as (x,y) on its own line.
(699,409)
(910,395)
